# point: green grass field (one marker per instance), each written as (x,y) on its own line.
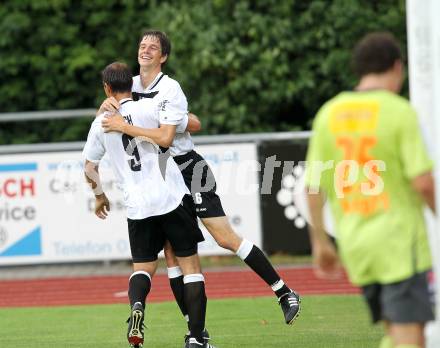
(325,322)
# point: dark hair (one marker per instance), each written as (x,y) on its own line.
(165,43)
(118,76)
(375,53)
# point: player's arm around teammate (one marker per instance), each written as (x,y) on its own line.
(111,105)
(162,136)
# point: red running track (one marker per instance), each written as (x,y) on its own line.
(113,289)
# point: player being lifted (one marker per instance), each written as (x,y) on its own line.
(158,205)
(153,53)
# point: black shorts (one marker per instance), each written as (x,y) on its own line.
(408,301)
(179,227)
(201,182)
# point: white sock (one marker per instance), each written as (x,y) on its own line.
(192,278)
(174,272)
(278,285)
(244,249)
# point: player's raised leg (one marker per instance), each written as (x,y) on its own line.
(224,235)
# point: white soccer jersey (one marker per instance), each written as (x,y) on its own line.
(152,184)
(173,108)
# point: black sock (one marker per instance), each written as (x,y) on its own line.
(195,300)
(139,286)
(261,265)
(177,287)
(282,290)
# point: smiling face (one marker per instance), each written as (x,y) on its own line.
(150,53)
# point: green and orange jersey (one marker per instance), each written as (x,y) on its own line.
(371,144)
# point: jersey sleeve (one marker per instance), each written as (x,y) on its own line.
(173,106)
(181,127)
(413,152)
(94,148)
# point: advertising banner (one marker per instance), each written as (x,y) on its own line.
(47,209)
(284,225)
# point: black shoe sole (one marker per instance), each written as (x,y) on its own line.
(294,317)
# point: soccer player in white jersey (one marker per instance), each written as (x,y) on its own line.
(152,83)
(158,205)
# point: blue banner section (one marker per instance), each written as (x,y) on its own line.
(29,245)
(18,167)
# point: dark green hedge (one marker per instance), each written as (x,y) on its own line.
(245,66)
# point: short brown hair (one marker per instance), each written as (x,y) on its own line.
(118,76)
(375,53)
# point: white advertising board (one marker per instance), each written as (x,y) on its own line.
(46,209)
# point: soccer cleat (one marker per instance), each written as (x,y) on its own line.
(135,333)
(205,335)
(193,343)
(291,306)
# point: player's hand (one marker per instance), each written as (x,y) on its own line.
(110,105)
(194,125)
(326,260)
(102,206)
(113,123)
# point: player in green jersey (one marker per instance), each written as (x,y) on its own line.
(368,160)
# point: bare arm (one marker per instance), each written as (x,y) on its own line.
(316,208)
(324,252)
(425,186)
(162,136)
(194,124)
(91,172)
(102,205)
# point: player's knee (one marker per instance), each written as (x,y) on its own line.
(222,232)
(170,257)
(171,262)
(407,335)
(190,264)
(225,243)
(148,267)
(227,239)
